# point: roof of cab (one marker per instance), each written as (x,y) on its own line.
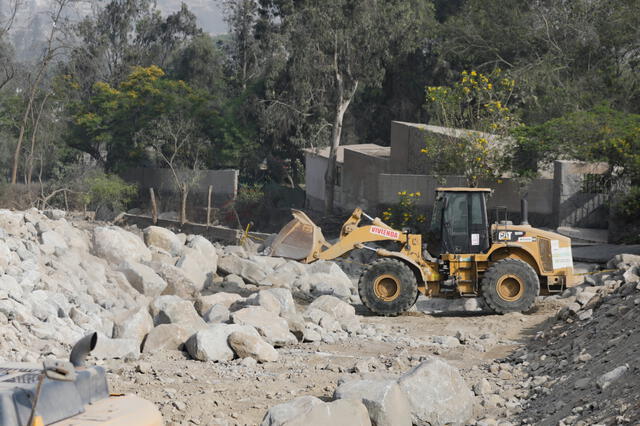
(463,189)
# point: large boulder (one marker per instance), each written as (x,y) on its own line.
(116,348)
(284,298)
(12,222)
(210,344)
(273,328)
(327,284)
(250,271)
(249,345)
(196,267)
(136,325)
(178,281)
(166,336)
(342,312)
(206,249)
(174,310)
(204,303)
(143,278)
(163,238)
(437,394)
(117,245)
(385,401)
(53,239)
(311,411)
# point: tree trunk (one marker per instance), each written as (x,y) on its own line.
(336,133)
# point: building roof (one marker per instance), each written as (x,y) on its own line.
(371,149)
(463,189)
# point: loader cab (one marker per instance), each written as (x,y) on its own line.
(459,222)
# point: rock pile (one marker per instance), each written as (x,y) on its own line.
(157,290)
(582,367)
(433,392)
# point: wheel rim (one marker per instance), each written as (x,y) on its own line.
(386,287)
(510,287)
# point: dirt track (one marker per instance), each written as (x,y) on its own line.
(193,392)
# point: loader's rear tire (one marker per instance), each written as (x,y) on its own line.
(510,285)
(388,287)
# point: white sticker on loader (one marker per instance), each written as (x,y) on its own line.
(561,256)
(475,239)
(384,232)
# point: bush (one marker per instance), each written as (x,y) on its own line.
(109,191)
(405,214)
(627,208)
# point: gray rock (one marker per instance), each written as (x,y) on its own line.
(327,284)
(273,328)
(166,336)
(196,267)
(211,343)
(163,238)
(385,401)
(204,303)
(631,275)
(174,310)
(178,281)
(341,311)
(205,248)
(268,301)
(249,345)
(620,260)
(117,245)
(311,411)
(437,393)
(249,271)
(285,299)
(585,314)
(143,278)
(53,239)
(116,348)
(55,214)
(607,379)
(217,314)
(136,325)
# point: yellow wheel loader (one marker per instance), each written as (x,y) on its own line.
(507,265)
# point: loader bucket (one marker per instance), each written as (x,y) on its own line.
(300,239)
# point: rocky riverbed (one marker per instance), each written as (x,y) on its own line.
(223,335)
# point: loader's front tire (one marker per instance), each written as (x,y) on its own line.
(388,287)
(510,285)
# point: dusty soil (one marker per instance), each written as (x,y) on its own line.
(193,392)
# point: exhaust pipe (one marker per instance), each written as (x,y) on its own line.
(82,348)
(524,211)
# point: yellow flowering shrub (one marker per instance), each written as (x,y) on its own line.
(480,103)
(405,213)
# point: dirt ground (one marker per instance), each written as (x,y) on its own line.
(239,393)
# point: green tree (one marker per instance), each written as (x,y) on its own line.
(333,48)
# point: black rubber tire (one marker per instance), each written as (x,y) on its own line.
(526,274)
(408,287)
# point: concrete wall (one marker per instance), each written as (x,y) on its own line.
(224,182)
(315,167)
(574,205)
(406,143)
(360,179)
(506,194)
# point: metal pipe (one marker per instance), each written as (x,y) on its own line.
(82,348)
(524,211)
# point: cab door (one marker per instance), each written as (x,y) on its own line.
(464,223)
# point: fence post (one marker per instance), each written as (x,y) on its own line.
(154,207)
(209,205)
